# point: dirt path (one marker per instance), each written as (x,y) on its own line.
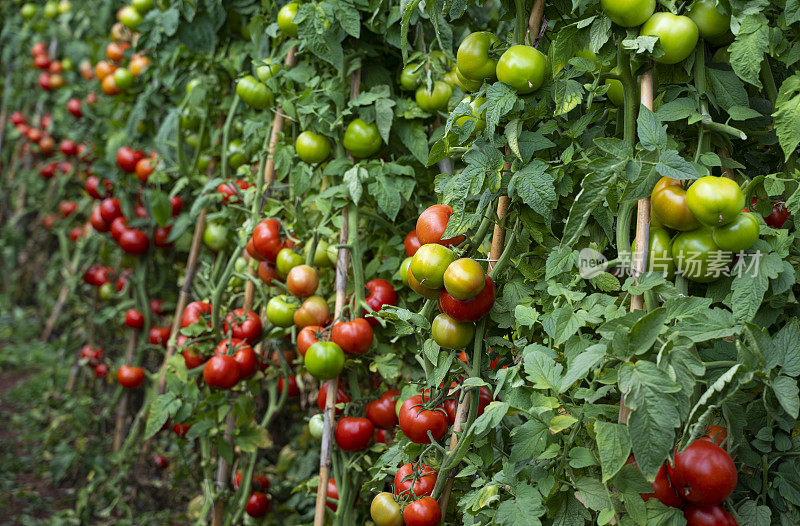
(23,490)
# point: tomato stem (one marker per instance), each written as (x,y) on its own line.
(226,132)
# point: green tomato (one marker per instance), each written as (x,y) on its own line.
(404,270)
(64,6)
(215,236)
(473,60)
(324,360)
(312,147)
(281,309)
(362,139)
(410,77)
(615,93)
(286,19)
(450,333)
(678,36)
(467,85)
(107,291)
(241,266)
(523,68)
(712,21)
(722,56)
(286,260)
(321,259)
(464,279)
(333,254)
(451,78)
(430,263)
(697,257)
(267,69)
(478,106)
(190,122)
(628,13)
(50,10)
(659,254)
(715,201)
(738,235)
(67,64)
(203,162)
(28,11)
(237,155)
(254,93)
(129,17)
(435,99)
(123,78)
(316,425)
(142,6)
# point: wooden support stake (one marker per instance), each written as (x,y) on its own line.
(122,408)
(642,232)
(340,286)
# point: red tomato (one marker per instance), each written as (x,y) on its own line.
(230,192)
(322,396)
(423,485)
(127,158)
(472,309)
(193,311)
(49,220)
(156,307)
(381,293)
(416,421)
(48,170)
(177,205)
(134,319)
(144,169)
(67,208)
(110,209)
(96,275)
(383,436)
(308,336)
(257,504)
(245,325)
(703,473)
(663,489)
(74,106)
(92,187)
(332,494)
(484,399)
(68,148)
(259,482)
(134,242)
(118,226)
(778,216)
(180,429)
(716,434)
(221,371)
(432,224)
(101,370)
(708,516)
(159,336)
(354,337)
(161,461)
(302,281)
(130,377)
(267,271)
(77,232)
(422,512)
(191,358)
(244,355)
(293,389)
(161,236)
(17,118)
(267,240)
(91,354)
(411,243)
(353,433)
(382,411)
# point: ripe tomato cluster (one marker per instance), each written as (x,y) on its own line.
(699,480)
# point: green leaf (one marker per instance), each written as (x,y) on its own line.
(594,188)
(727,88)
(787,342)
(541,369)
(412,135)
(614,447)
(525,508)
(561,422)
(568,94)
(525,315)
(671,164)
(647,329)
(787,117)
(652,135)
(491,418)
(500,98)
(677,109)
(162,408)
(582,364)
(529,440)
(747,51)
(786,391)
(534,185)
(162,208)
(593,492)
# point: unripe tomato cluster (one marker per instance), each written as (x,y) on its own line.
(712,227)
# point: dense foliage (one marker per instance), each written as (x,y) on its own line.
(212,211)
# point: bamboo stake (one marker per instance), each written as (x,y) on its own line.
(340,285)
(122,408)
(183,295)
(642,232)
